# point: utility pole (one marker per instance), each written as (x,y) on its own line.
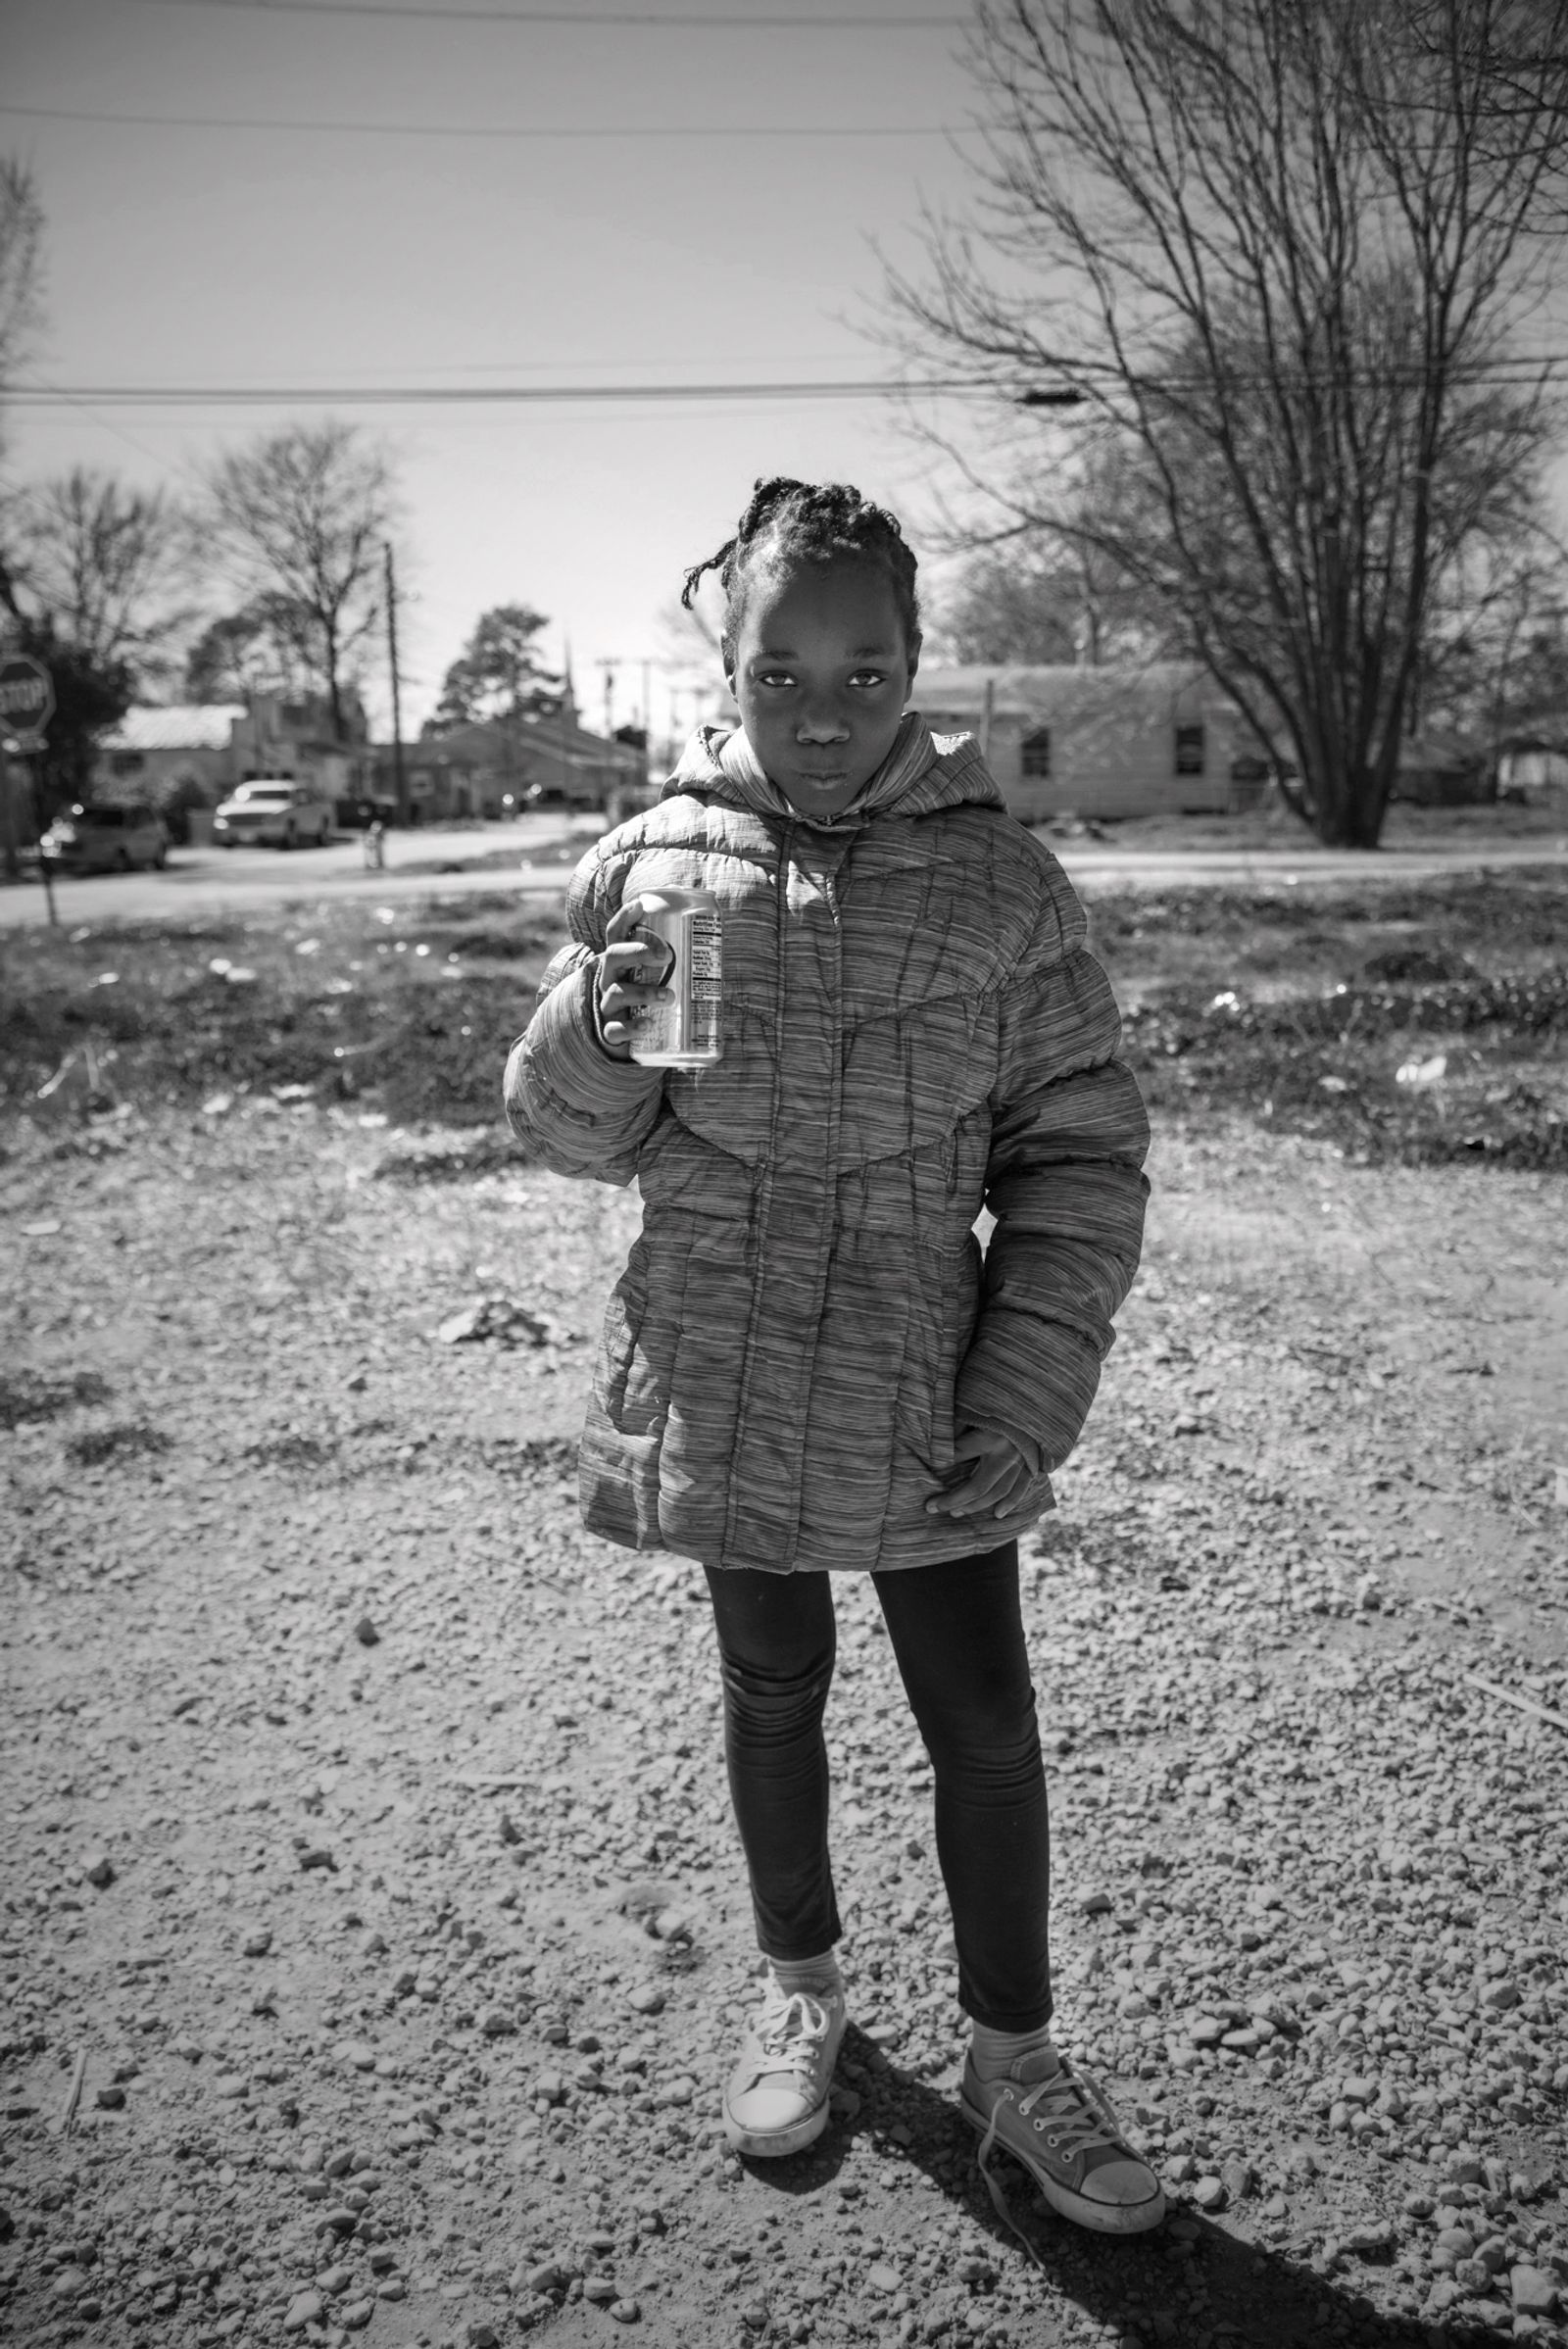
(7,819)
(34,766)
(568,703)
(609,666)
(399,780)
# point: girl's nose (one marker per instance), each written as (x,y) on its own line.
(822,725)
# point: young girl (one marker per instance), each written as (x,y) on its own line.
(808,1366)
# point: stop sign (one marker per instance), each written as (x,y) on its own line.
(27,701)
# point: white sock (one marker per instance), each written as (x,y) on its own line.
(818,1975)
(994,2052)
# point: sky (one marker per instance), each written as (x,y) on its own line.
(694,244)
(345,195)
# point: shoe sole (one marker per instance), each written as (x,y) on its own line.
(771,2144)
(1102,2218)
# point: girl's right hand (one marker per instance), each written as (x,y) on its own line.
(624,982)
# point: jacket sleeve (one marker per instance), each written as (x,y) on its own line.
(1064,1183)
(583,1111)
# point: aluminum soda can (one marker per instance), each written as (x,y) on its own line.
(684,1032)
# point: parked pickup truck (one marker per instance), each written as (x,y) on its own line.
(274,812)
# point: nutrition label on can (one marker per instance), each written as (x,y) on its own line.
(705,969)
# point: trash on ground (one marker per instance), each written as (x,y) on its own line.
(499,1321)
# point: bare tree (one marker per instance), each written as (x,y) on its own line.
(691,638)
(20,266)
(1282,256)
(266,645)
(21,315)
(1494,662)
(1002,606)
(303,515)
(1063,603)
(111,567)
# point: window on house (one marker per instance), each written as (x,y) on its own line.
(126,762)
(1190,749)
(1036,755)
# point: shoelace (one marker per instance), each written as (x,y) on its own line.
(1082,2123)
(1085,2121)
(793,2028)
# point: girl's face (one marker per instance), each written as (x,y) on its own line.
(821,676)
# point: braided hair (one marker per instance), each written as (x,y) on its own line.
(802,521)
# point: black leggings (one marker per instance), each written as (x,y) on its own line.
(957,1636)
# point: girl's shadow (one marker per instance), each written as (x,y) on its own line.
(1184,2279)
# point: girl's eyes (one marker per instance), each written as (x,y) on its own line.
(862,677)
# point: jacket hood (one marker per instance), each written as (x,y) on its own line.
(921,773)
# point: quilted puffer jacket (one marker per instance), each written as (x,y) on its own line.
(912,1031)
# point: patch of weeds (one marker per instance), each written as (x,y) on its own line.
(291,1450)
(1517,912)
(94,1447)
(1426,1075)
(527,1456)
(452,1158)
(30,1395)
(374,1008)
(491,941)
(1417,967)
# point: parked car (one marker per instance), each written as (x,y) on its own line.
(106,840)
(272,810)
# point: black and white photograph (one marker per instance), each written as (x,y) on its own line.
(784,1154)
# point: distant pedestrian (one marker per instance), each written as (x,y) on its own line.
(375,845)
(808,1368)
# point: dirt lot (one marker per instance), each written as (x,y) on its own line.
(375,1932)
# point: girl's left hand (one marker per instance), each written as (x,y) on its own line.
(996,1481)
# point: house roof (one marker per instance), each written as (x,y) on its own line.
(1060,690)
(484,743)
(182,726)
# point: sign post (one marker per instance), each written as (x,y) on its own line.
(27,705)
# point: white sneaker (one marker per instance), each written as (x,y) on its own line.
(775,2100)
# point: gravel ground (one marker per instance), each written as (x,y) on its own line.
(375,1932)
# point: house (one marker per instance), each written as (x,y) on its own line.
(1441,770)
(1535,771)
(293,736)
(193,754)
(1127,739)
(500,766)
(162,755)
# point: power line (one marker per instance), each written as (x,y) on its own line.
(681,20)
(1516,370)
(493,130)
(124,395)
(65,398)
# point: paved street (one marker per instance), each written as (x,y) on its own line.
(479,856)
(534,854)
